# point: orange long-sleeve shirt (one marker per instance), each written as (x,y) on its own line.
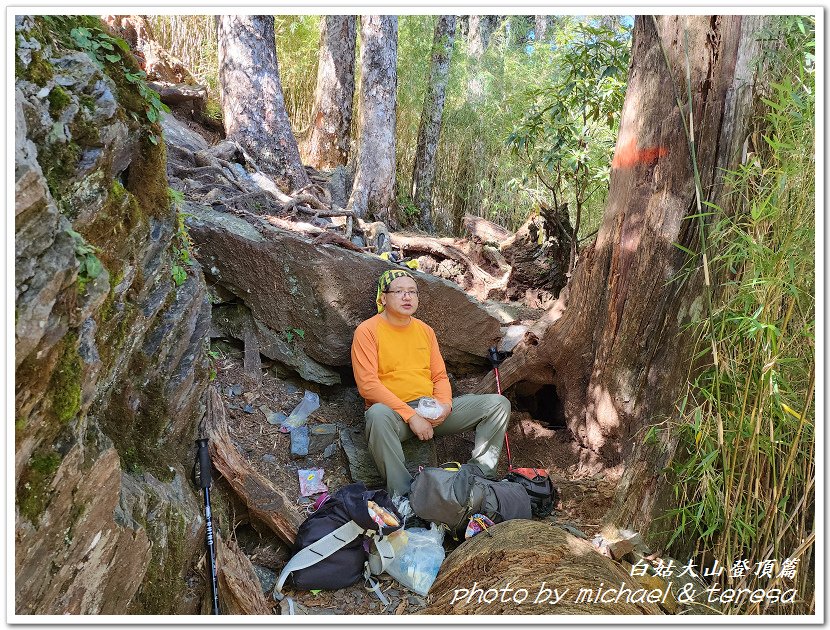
(394,365)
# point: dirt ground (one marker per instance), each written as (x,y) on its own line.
(584,499)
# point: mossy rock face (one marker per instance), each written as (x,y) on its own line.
(164,584)
(96,413)
(65,385)
(33,489)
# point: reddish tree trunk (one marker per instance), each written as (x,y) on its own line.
(328,144)
(617,356)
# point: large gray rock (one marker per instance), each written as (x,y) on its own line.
(326,291)
(110,366)
(232,320)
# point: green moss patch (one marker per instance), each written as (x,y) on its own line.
(148,179)
(135,418)
(65,384)
(59,165)
(33,491)
(58,100)
(113,330)
(38,71)
(164,584)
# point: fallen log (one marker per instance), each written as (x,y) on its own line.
(533,556)
(485,230)
(435,247)
(264,501)
(177,93)
(240,592)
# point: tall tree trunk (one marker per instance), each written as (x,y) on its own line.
(328,144)
(478,38)
(253,107)
(617,356)
(429,129)
(542,23)
(373,193)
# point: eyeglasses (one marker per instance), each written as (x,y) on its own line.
(399,293)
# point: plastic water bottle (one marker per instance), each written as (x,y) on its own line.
(302,411)
(429,408)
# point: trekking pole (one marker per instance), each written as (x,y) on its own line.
(203,461)
(496,359)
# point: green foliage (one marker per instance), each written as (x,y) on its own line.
(291,332)
(33,489)
(746,455)
(408,211)
(567,135)
(298,40)
(487,100)
(58,100)
(105,49)
(90,266)
(182,243)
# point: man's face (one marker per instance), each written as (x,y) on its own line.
(401,298)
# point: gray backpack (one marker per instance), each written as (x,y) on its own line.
(452,495)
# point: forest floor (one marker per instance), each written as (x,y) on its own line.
(584,499)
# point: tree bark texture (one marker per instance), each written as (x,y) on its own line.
(429,129)
(541,31)
(373,193)
(478,38)
(328,144)
(253,107)
(617,356)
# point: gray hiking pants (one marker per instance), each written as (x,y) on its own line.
(385,430)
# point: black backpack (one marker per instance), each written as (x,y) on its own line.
(329,551)
(543,494)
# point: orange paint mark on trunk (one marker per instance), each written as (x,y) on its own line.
(629,155)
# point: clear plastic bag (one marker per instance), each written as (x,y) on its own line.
(429,408)
(418,557)
(302,411)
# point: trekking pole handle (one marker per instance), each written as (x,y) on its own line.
(497,357)
(203,457)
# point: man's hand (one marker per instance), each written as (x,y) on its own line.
(445,411)
(421,427)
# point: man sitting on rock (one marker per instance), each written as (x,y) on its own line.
(397,362)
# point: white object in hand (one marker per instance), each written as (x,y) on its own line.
(429,408)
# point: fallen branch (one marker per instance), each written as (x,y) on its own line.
(239,589)
(178,93)
(264,501)
(434,247)
(485,230)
